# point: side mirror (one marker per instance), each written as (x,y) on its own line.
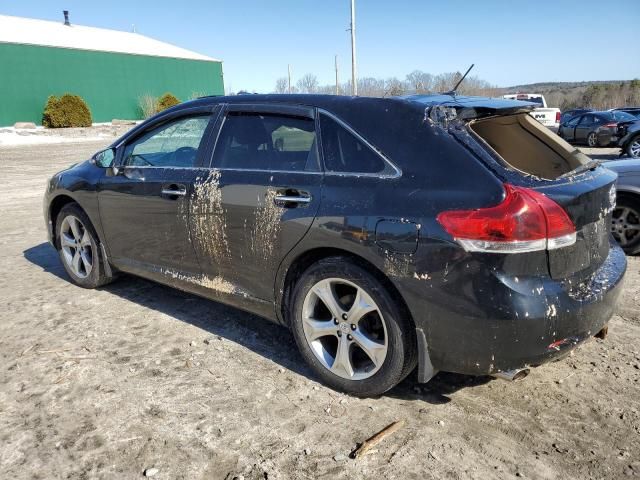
(105,158)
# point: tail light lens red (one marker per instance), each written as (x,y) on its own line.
(610,125)
(525,221)
(557,117)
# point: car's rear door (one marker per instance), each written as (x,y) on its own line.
(260,198)
(144,206)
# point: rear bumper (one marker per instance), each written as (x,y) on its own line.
(529,321)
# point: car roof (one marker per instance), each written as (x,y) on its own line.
(325,101)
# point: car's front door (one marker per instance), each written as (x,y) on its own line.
(583,128)
(144,205)
(260,197)
(569,128)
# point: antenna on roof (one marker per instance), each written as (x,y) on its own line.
(66,18)
(453,92)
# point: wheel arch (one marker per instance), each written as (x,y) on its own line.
(55,206)
(635,136)
(628,191)
(305,259)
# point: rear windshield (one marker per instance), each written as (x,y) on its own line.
(528,146)
(537,100)
(622,116)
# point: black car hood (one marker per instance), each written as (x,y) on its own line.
(623,166)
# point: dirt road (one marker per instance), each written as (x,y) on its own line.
(108,383)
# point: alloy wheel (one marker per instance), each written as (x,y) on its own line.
(77,251)
(625,225)
(345,329)
(634,149)
(591,139)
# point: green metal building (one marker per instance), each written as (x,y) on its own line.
(110,69)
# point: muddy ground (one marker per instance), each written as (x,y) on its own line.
(110,382)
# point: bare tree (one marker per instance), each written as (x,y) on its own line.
(282,85)
(308,83)
(419,81)
(393,87)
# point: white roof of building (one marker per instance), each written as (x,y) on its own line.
(30,31)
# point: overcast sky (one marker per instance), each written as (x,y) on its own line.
(511,42)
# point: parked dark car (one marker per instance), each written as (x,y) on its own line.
(635,111)
(453,233)
(625,221)
(604,129)
(569,114)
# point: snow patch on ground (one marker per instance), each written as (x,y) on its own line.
(12,138)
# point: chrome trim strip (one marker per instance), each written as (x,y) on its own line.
(563,241)
(177,193)
(291,199)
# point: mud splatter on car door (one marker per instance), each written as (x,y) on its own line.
(261,196)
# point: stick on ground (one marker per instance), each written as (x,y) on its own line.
(377,438)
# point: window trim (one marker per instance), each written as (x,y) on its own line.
(397,172)
(267,109)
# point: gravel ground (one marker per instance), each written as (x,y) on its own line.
(107,383)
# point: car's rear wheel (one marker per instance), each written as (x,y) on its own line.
(625,223)
(78,248)
(349,328)
(592,140)
(633,149)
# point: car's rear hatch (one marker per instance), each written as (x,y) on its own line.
(524,153)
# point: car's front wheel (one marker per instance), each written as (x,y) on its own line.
(633,149)
(625,223)
(78,248)
(350,330)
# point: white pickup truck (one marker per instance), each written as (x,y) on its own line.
(549,117)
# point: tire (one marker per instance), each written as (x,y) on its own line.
(625,223)
(592,140)
(633,148)
(79,249)
(384,330)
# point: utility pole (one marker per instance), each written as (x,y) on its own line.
(337,84)
(354,82)
(289,76)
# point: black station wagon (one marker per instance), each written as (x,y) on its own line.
(445,232)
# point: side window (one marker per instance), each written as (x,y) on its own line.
(587,120)
(174,144)
(574,121)
(344,152)
(257,141)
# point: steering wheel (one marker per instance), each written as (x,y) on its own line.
(133,161)
(185,153)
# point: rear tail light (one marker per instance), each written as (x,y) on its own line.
(557,117)
(610,125)
(525,221)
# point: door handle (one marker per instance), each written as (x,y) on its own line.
(174,190)
(291,198)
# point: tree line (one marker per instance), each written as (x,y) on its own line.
(565,95)
(415,82)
